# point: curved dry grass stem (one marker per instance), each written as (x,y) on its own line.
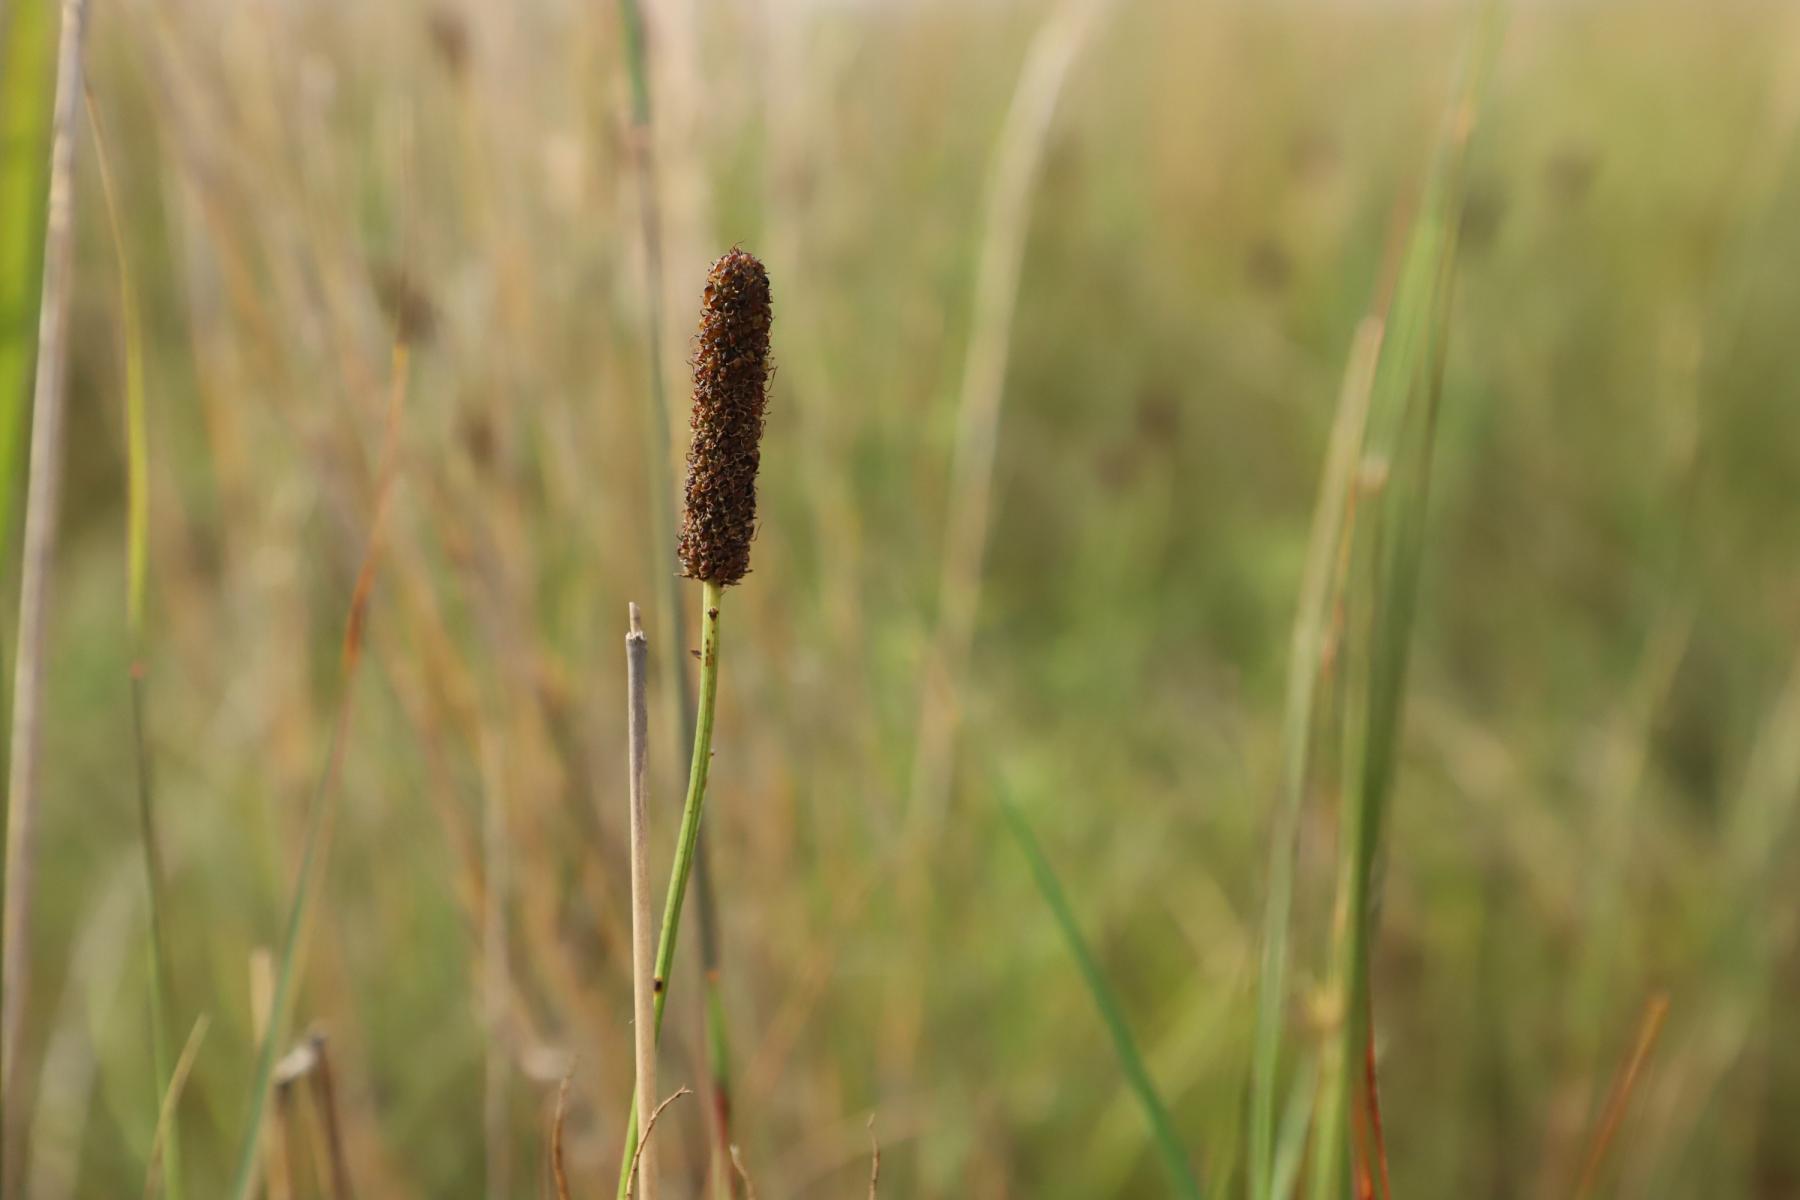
(650,1128)
(42,497)
(1006,222)
(743,1173)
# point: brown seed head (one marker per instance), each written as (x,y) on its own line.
(731,388)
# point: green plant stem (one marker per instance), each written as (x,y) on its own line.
(137,560)
(687,840)
(1317,596)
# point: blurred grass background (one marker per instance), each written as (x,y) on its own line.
(1597,789)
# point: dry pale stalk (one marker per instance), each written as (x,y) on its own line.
(643,929)
(34,587)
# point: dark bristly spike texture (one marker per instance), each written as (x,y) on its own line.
(731,388)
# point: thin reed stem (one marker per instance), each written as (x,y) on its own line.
(643,931)
(686,840)
(171,1099)
(137,564)
(41,501)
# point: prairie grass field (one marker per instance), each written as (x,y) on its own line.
(1278,550)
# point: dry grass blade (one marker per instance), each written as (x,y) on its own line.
(41,500)
(743,1174)
(874,1159)
(1656,1011)
(165,1117)
(650,1128)
(1006,222)
(559,1171)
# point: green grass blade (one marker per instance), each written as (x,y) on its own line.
(27,80)
(1402,425)
(1137,1076)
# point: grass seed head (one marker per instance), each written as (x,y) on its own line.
(731,389)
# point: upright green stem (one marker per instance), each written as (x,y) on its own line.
(686,841)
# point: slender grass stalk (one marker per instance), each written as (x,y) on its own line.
(1329,531)
(171,1099)
(649,1130)
(1137,1075)
(1397,472)
(643,932)
(137,559)
(41,504)
(276,1174)
(1290,1146)
(685,842)
(676,682)
(27,84)
(315,843)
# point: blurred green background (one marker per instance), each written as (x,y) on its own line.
(1600,765)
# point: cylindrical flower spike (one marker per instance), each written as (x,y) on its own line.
(731,389)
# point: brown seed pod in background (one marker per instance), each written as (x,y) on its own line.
(731,388)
